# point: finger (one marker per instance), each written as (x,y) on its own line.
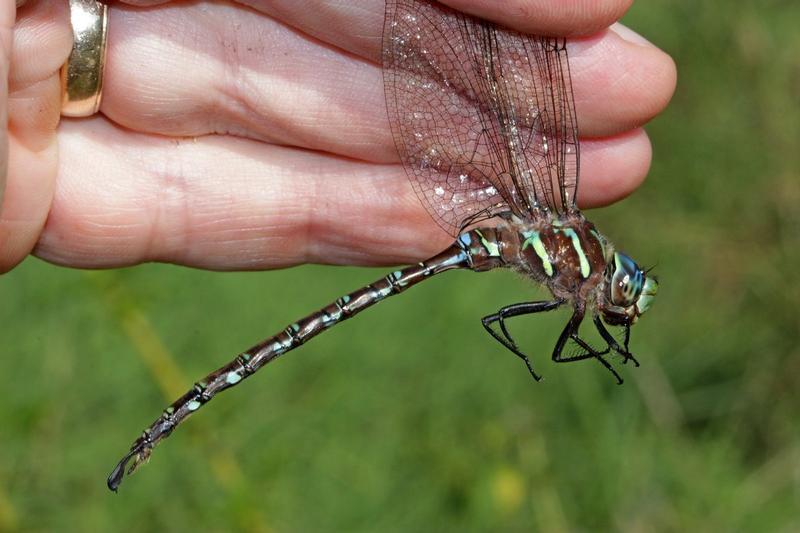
(260,79)
(41,43)
(620,80)
(547,17)
(226,203)
(357,26)
(613,168)
(190,69)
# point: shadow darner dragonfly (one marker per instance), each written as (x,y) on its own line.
(484,122)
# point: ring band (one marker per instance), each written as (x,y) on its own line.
(82,74)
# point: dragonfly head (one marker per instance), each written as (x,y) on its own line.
(627,291)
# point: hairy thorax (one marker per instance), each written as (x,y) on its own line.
(566,253)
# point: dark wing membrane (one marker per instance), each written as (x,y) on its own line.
(483,117)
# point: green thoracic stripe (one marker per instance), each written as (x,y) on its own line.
(532,239)
(491,247)
(576,243)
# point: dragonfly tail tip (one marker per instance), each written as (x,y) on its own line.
(140,452)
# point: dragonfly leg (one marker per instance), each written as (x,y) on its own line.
(627,340)
(612,342)
(591,352)
(525,308)
(571,333)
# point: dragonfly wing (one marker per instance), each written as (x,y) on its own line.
(483,117)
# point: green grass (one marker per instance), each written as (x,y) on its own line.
(409,418)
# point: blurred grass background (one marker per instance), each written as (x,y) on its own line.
(410,418)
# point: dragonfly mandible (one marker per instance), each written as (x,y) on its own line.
(484,123)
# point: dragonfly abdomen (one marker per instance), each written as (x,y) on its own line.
(479,250)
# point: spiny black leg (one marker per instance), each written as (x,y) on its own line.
(507,340)
(599,356)
(525,308)
(509,344)
(612,342)
(506,334)
(627,340)
(571,332)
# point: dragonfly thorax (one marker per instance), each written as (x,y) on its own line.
(565,253)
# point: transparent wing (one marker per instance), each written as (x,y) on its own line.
(483,117)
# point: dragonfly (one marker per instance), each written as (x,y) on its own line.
(484,122)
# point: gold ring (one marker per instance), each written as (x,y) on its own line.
(82,74)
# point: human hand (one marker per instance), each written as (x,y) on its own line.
(234,137)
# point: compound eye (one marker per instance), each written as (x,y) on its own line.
(624,280)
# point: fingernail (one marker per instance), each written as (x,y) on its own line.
(629,35)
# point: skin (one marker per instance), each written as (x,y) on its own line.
(253,137)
